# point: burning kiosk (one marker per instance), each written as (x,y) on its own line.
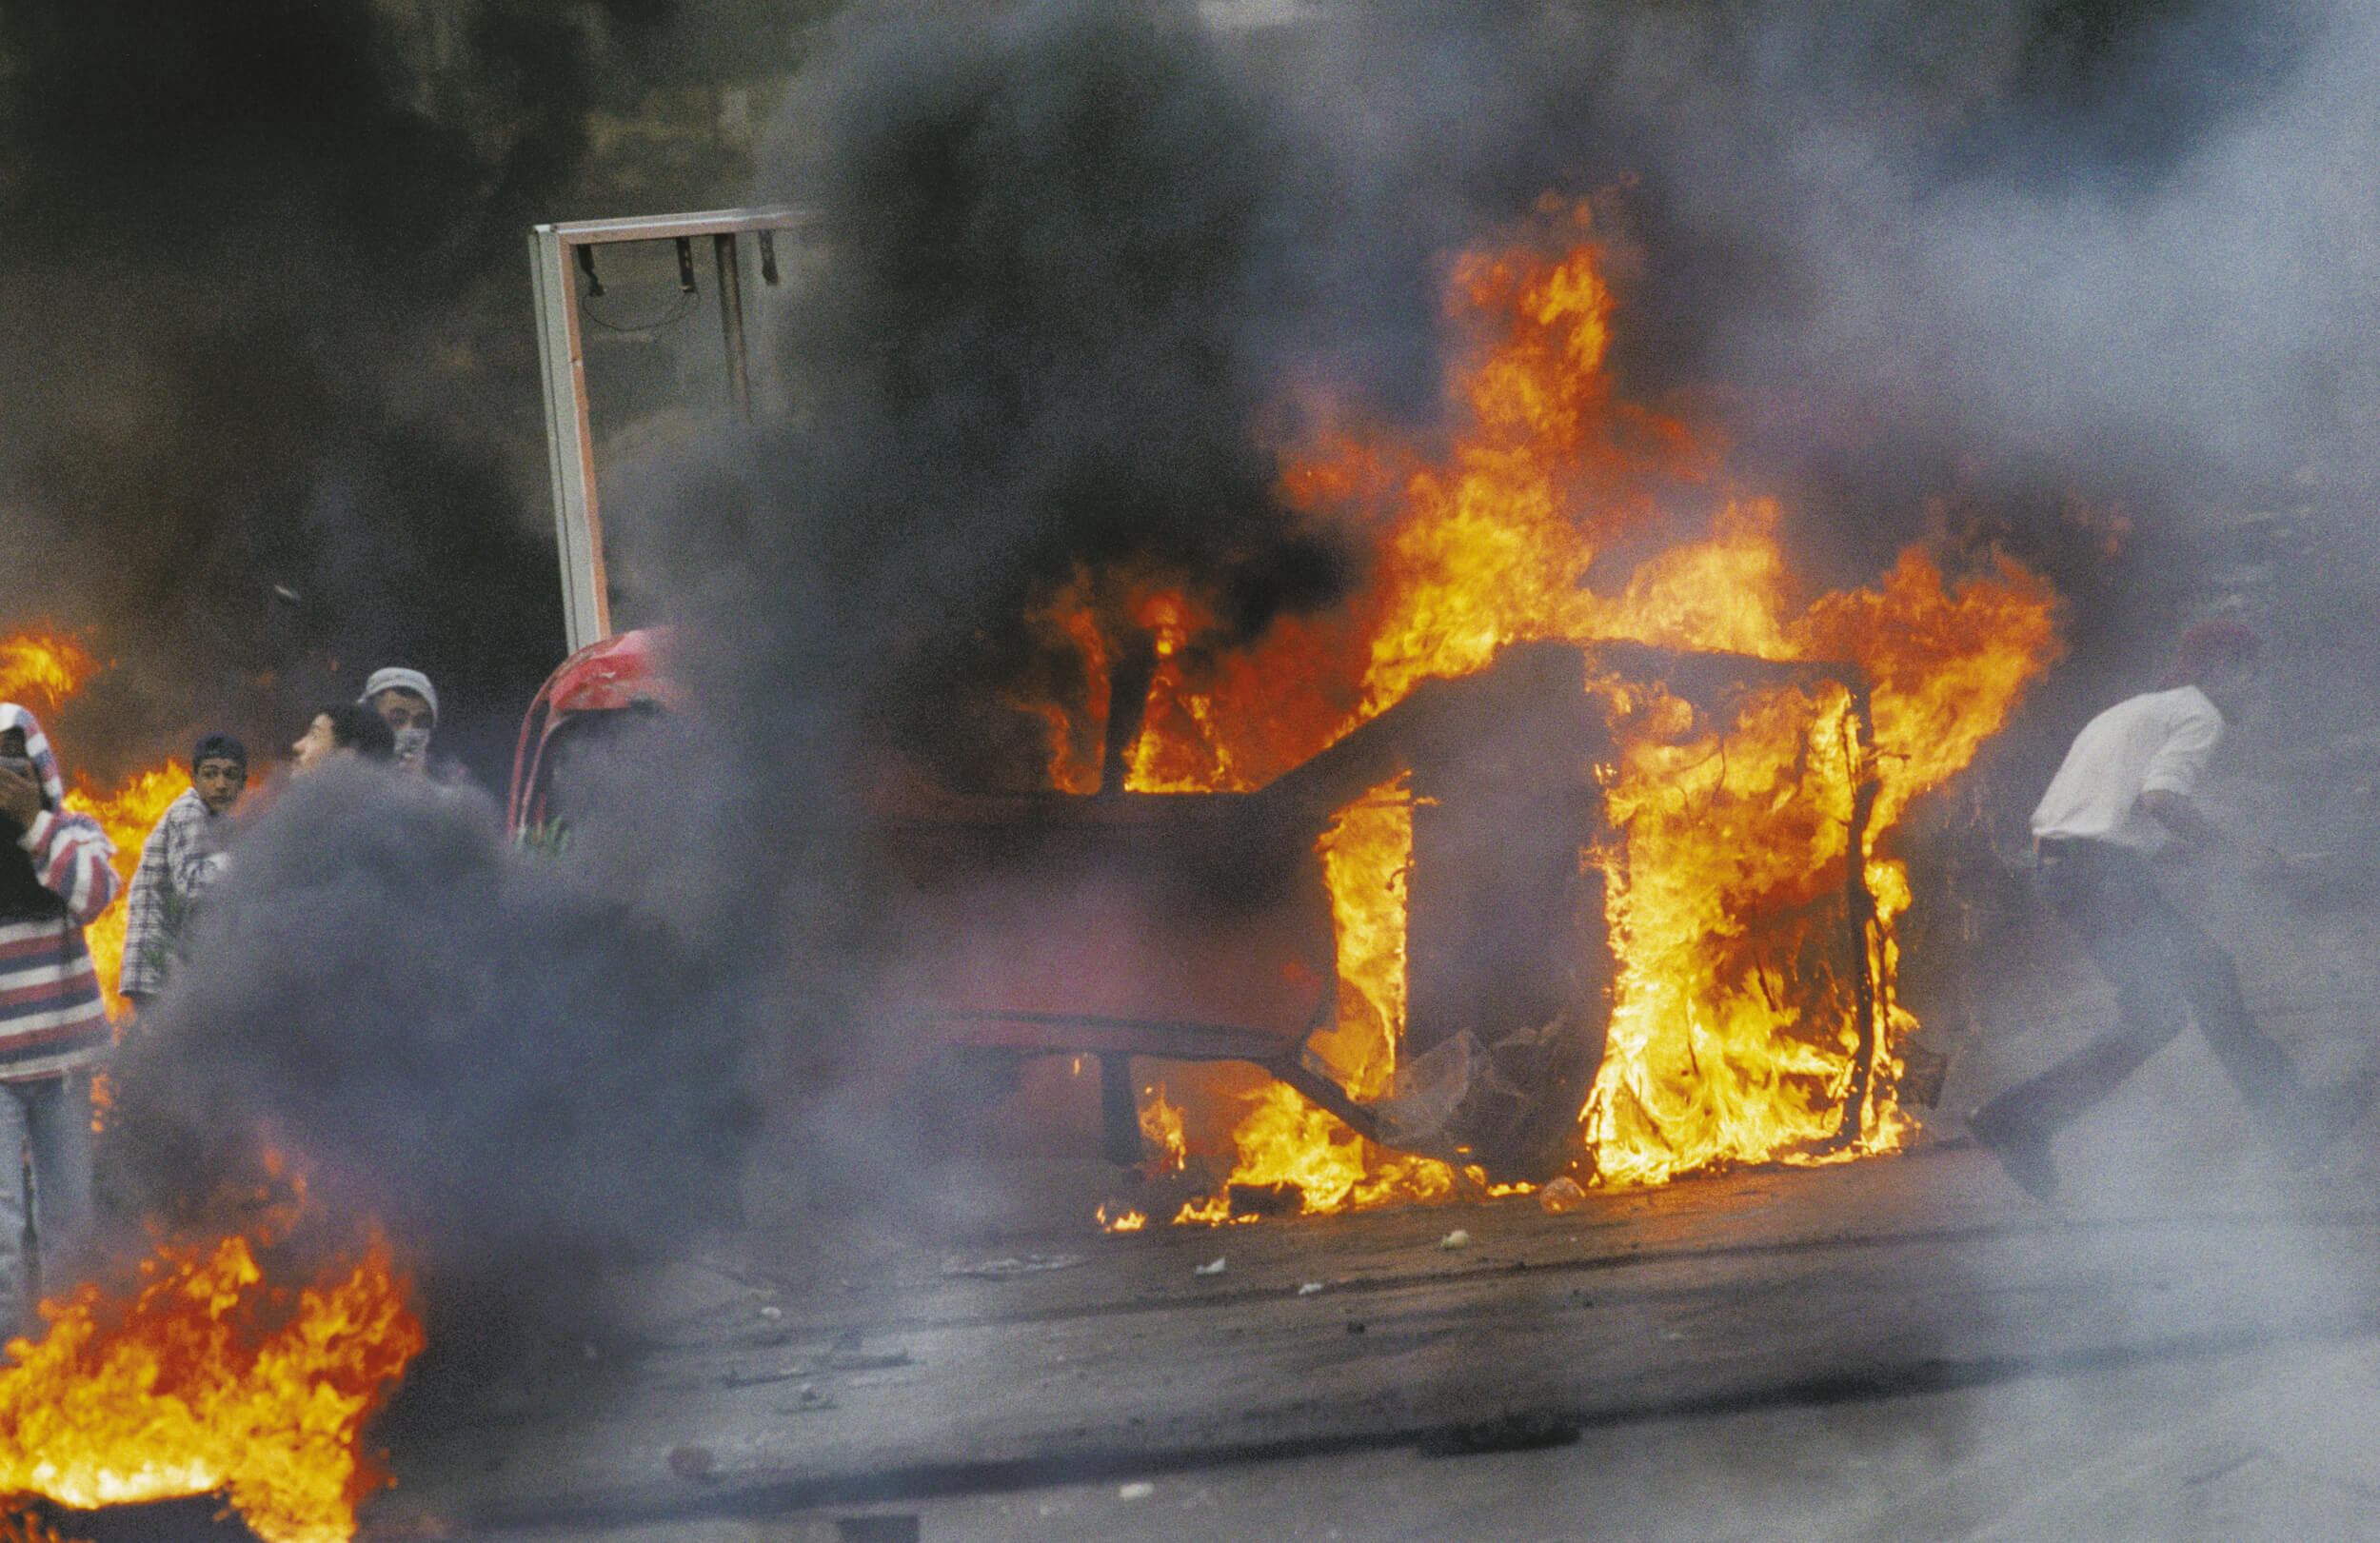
(1550,847)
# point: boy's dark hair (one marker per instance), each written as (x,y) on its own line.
(356,727)
(219,747)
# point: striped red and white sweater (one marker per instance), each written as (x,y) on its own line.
(57,878)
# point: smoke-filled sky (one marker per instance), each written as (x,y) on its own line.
(265,309)
(264,301)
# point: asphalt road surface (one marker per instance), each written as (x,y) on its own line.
(1899,1348)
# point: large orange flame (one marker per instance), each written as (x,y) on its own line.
(1495,536)
(43,664)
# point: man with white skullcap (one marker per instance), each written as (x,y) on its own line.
(409,704)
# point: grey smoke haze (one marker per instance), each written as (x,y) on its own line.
(2075,227)
(2176,270)
(1077,253)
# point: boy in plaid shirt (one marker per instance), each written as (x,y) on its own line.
(181,858)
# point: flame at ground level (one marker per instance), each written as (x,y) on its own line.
(29,1527)
(208,1379)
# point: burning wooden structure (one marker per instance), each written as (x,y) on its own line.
(1202,927)
(1552,844)
(1198,926)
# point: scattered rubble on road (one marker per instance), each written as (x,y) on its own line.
(1002,1269)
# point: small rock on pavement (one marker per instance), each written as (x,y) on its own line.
(1458,1239)
(691,1462)
(1562,1195)
(1212,1268)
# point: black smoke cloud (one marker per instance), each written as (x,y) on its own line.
(1075,254)
(1053,322)
(496,1059)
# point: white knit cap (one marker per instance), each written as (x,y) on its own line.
(401,680)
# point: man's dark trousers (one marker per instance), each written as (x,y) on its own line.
(2161,963)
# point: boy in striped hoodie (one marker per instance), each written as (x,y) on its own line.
(54,876)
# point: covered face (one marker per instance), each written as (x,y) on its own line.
(21,740)
(411,718)
(409,704)
(32,781)
(20,796)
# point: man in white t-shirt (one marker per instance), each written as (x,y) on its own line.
(2123,795)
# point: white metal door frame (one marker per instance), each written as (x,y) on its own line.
(554,259)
